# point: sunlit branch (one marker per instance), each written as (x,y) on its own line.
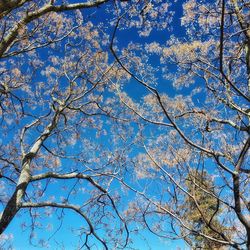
(13,204)
(172,214)
(78,109)
(211,73)
(66,206)
(155,92)
(213,119)
(89,179)
(140,115)
(30,16)
(208,222)
(34,46)
(68,176)
(230,123)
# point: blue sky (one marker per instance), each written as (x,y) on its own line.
(20,240)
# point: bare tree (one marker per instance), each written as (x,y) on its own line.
(66,137)
(203,127)
(91,124)
(55,104)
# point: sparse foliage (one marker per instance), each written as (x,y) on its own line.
(132,115)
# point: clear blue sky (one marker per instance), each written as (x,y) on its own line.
(21,238)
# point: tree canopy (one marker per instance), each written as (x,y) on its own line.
(130,116)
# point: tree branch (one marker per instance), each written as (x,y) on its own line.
(77,209)
(68,176)
(30,16)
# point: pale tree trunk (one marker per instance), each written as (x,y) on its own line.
(14,202)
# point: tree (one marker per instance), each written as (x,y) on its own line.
(200,185)
(204,125)
(47,95)
(63,129)
(76,137)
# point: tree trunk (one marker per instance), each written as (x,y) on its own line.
(14,203)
